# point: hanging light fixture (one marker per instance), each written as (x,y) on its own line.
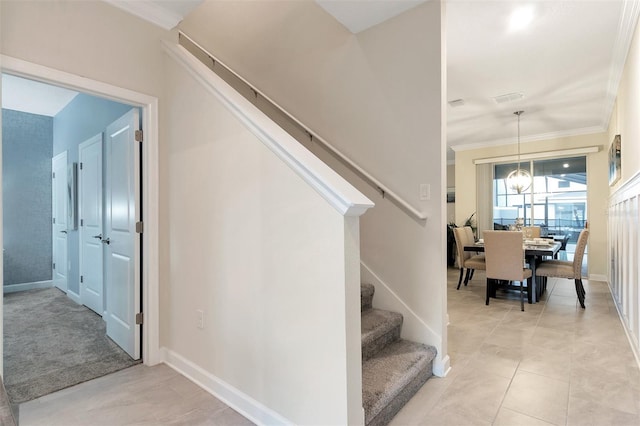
(519,180)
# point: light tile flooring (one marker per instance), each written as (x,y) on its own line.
(140,396)
(554,364)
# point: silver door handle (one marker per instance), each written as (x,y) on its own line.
(106,241)
(98,237)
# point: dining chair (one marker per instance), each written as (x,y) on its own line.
(504,254)
(565,269)
(531,232)
(466,259)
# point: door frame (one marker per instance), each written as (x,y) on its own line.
(54,201)
(151,354)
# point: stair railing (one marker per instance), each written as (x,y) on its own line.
(189,44)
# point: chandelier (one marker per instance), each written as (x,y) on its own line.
(519,180)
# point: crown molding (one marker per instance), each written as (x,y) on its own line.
(531,138)
(626,30)
(149,11)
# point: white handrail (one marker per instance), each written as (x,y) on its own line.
(386,192)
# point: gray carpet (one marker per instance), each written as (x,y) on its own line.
(51,343)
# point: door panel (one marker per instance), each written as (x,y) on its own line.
(59,207)
(122,243)
(91,226)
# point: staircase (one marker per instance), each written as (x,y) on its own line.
(393,369)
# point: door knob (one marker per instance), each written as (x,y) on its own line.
(98,237)
(106,241)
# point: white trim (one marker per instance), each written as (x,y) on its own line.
(537,155)
(74,296)
(239,401)
(598,277)
(14,288)
(149,11)
(150,203)
(531,138)
(441,366)
(331,186)
(621,192)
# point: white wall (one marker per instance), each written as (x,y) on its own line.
(624,241)
(264,256)
(597,187)
(378,97)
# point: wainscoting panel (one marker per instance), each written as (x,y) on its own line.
(624,260)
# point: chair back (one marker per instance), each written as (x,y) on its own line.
(531,231)
(461,241)
(579,254)
(504,255)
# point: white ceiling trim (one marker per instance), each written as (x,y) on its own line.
(626,29)
(532,138)
(149,11)
(561,153)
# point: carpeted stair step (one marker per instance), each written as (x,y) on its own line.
(379,328)
(392,376)
(366,296)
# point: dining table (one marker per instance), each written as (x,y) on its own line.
(534,252)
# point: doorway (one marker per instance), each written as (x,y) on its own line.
(47,339)
(149,110)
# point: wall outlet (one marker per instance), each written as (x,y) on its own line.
(425,192)
(199,318)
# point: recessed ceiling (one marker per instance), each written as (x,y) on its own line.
(20,94)
(566,63)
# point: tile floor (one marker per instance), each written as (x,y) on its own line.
(140,396)
(554,364)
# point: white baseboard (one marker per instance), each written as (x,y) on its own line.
(14,288)
(242,403)
(441,366)
(635,349)
(598,277)
(74,296)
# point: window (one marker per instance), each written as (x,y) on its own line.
(556,201)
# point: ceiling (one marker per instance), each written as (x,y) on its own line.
(564,67)
(30,96)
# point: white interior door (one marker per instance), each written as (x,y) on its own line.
(122,210)
(59,206)
(90,215)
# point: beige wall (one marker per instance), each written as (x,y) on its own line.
(597,184)
(451,183)
(378,97)
(624,119)
(263,255)
(88,38)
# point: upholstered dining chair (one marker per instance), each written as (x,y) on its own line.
(531,231)
(566,269)
(504,254)
(466,259)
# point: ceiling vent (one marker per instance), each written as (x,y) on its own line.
(509,97)
(456,103)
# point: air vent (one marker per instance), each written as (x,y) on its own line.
(509,97)
(456,103)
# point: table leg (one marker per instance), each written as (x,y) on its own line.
(534,284)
